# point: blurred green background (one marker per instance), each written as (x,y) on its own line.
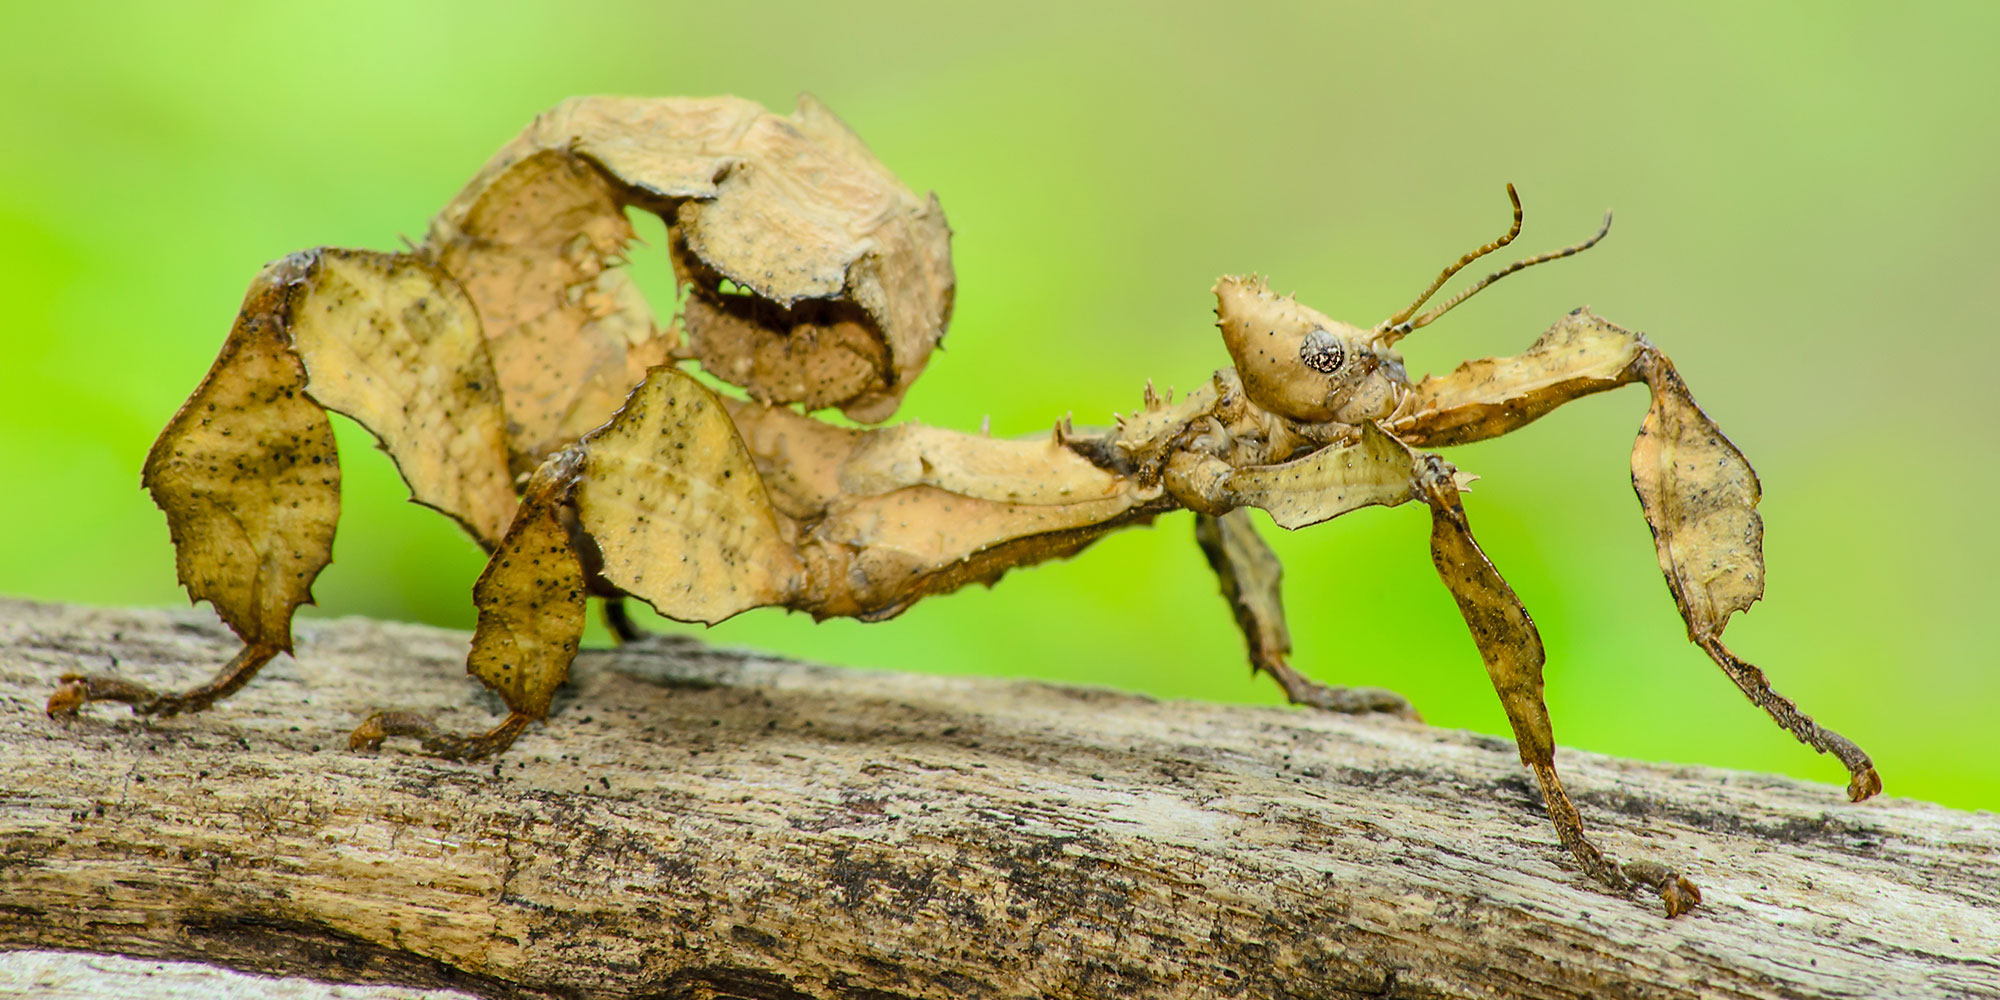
(1806,198)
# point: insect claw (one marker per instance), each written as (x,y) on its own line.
(1677,893)
(1865,785)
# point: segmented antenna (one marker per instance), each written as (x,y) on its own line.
(1445,275)
(1398,326)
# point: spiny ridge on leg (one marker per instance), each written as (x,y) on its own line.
(74,691)
(1569,828)
(1302,690)
(1863,781)
(1677,894)
(436,742)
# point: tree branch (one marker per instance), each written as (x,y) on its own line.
(700,822)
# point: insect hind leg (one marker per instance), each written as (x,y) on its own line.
(73,691)
(249,478)
(436,742)
(618,618)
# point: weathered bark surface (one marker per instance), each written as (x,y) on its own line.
(696,822)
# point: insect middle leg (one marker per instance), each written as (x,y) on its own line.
(618,618)
(1251,576)
(617,614)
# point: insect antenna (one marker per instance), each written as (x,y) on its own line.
(1445,275)
(1398,326)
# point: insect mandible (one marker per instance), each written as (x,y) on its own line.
(524,388)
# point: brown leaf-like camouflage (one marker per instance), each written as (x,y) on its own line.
(1327,483)
(394,343)
(537,247)
(923,529)
(1698,492)
(1500,626)
(670,495)
(513,341)
(247,474)
(1035,471)
(799,458)
(530,599)
(1579,355)
(841,278)
(1700,496)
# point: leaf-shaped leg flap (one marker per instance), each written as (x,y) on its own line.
(1512,650)
(1326,483)
(670,494)
(1700,497)
(248,477)
(531,613)
(394,342)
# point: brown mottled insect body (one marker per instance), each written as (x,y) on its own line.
(524,388)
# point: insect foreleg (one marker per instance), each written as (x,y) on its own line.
(1700,497)
(1378,469)
(1698,492)
(1250,576)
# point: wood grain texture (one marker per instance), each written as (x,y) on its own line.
(696,822)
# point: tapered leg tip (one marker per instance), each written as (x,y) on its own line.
(382,725)
(70,695)
(73,691)
(436,742)
(1680,896)
(1865,785)
(1677,893)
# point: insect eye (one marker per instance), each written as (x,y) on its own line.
(1321,352)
